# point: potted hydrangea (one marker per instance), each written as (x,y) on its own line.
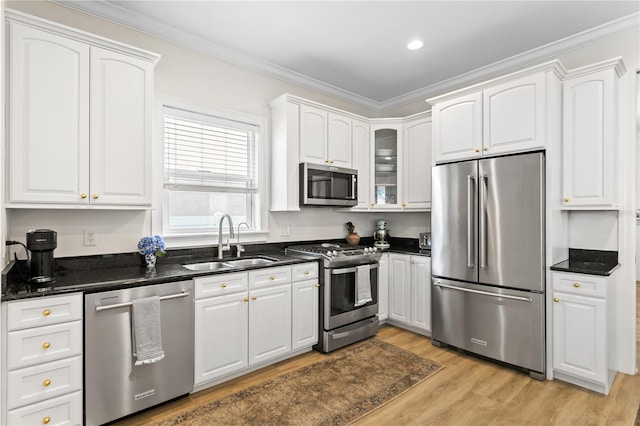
(151,248)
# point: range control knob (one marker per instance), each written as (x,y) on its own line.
(335,253)
(375,249)
(329,253)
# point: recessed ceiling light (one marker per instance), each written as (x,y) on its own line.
(415,44)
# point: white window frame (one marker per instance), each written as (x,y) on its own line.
(211,237)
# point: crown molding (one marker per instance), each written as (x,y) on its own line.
(120,16)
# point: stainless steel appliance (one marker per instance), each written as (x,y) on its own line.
(424,241)
(328,185)
(114,386)
(342,319)
(41,243)
(381,234)
(488,258)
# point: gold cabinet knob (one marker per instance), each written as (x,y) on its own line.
(246,299)
(46,345)
(326,161)
(477,150)
(306,272)
(565,200)
(95,196)
(372,204)
(330,161)
(272,278)
(555,299)
(46,420)
(484,148)
(317,284)
(576,285)
(46,383)
(83,196)
(253,297)
(46,312)
(404,204)
(223,285)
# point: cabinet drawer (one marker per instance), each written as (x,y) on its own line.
(44,381)
(43,344)
(217,285)
(268,277)
(584,285)
(304,271)
(44,311)
(64,410)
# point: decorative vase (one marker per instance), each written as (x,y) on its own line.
(150,259)
(353,239)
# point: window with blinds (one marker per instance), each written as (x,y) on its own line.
(210,167)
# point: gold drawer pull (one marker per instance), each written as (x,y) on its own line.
(306,272)
(46,312)
(477,150)
(95,196)
(576,285)
(317,284)
(272,278)
(555,299)
(83,196)
(565,200)
(485,148)
(46,383)
(246,299)
(46,345)
(46,420)
(253,297)
(223,285)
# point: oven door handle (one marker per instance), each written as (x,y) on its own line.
(341,271)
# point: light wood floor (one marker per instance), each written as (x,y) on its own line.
(468,391)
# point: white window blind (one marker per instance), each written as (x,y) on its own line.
(207,153)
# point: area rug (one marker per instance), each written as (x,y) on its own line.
(346,385)
(637,422)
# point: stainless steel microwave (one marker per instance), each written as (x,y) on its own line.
(328,185)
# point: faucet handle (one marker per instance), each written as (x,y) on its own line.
(239,250)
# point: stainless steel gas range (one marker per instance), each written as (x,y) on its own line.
(348,292)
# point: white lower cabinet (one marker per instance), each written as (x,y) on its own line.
(383,287)
(584,330)
(410,292)
(42,361)
(246,320)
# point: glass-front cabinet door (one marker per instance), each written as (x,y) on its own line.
(387,165)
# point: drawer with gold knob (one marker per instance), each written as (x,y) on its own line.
(44,311)
(44,381)
(217,285)
(65,409)
(579,284)
(43,344)
(267,277)
(304,271)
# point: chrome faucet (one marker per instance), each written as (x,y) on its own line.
(221,248)
(239,248)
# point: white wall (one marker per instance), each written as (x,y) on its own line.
(593,230)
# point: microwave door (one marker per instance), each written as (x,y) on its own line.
(319,184)
(343,186)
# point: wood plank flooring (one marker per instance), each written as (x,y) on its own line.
(468,391)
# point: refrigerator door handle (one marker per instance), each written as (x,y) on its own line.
(482,223)
(470,208)
(485,293)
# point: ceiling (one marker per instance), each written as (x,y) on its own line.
(356,50)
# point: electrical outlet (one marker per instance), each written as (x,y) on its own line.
(284,230)
(89,238)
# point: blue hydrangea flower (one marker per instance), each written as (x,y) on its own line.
(152,245)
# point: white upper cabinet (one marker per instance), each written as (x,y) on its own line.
(506,115)
(457,128)
(386,169)
(360,155)
(417,164)
(514,115)
(79,119)
(589,137)
(325,137)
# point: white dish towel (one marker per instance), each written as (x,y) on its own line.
(363,285)
(147,338)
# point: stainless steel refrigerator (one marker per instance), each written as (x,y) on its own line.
(488,258)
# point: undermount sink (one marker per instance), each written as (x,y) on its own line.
(229,264)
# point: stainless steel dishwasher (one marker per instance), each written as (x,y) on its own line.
(114,386)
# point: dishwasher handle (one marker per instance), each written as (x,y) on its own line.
(100,308)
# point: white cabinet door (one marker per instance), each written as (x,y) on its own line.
(421,292)
(579,336)
(383,287)
(304,321)
(313,135)
(269,323)
(386,165)
(399,288)
(514,115)
(48,117)
(121,106)
(221,336)
(589,129)
(457,128)
(417,164)
(360,156)
(339,140)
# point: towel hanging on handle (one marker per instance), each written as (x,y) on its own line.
(147,335)
(363,285)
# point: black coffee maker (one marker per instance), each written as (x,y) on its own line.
(41,244)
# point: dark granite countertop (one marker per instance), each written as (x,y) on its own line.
(407,246)
(593,262)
